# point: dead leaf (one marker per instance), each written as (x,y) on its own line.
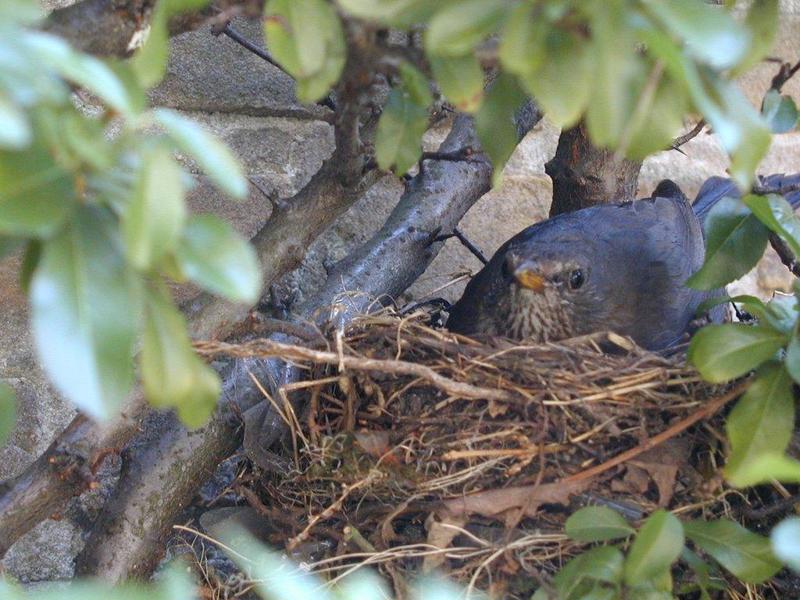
(374,443)
(662,465)
(440,535)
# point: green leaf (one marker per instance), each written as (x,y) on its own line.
(619,75)
(36,194)
(746,555)
(702,571)
(781,312)
(777,214)
(150,62)
(273,576)
(657,545)
(779,111)
(298,34)
(20,11)
(762,23)
(218,259)
(30,260)
(724,352)
(562,83)
(494,122)
(735,242)
(315,87)
(762,421)
(792,359)
(521,47)
(83,70)
(580,575)
(460,79)
(213,156)
(766,468)
(85,312)
(597,524)
(8,412)
(15,130)
(458,27)
(396,13)
(402,124)
(172,373)
(155,215)
(785,539)
(661,122)
(712,35)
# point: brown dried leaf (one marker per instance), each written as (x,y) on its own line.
(440,535)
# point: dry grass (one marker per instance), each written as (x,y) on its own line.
(417,448)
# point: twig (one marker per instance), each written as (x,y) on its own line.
(785,253)
(704,412)
(682,139)
(785,73)
(465,241)
(270,348)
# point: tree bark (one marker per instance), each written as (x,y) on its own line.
(584,175)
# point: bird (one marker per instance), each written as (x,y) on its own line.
(611,267)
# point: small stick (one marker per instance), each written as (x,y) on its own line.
(703,413)
(465,241)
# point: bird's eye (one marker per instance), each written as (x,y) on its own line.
(576,279)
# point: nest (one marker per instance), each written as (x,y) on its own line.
(418,449)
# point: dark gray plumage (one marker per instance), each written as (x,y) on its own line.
(616,267)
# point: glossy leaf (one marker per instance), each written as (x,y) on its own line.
(8,412)
(763,419)
(218,259)
(779,111)
(397,13)
(213,156)
(724,352)
(745,554)
(735,242)
(777,214)
(766,468)
(85,313)
(781,312)
(155,215)
(460,79)
(521,45)
(762,24)
(562,83)
(172,374)
(712,35)
(659,123)
(20,11)
(36,194)
(458,27)
(657,545)
(398,140)
(597,524)
(494,122)
(298,34)
(150,62)
(83,70)
(15,130)
(785,539)
(579,577)
(618,77)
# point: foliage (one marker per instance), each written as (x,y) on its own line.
(642,568)
(630,68)
(97,203)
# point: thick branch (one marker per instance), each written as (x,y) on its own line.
(128,538)
(584,175)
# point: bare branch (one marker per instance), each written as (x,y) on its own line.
(692,133)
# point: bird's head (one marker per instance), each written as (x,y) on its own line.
(562,274)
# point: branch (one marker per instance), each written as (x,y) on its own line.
(785,73)
(584,175)
(127,539)
(694,132)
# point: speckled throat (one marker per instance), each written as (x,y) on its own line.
(537,317)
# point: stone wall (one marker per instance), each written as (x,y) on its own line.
(250,104)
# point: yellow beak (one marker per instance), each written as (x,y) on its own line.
(530,280)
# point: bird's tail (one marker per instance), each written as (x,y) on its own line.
(717,188)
